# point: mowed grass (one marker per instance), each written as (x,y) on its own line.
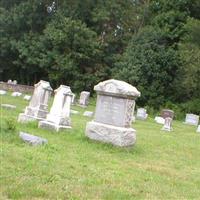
(160,166)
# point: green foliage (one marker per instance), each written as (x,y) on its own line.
(11,124)
(73,53)
(188,77)
(151,44)
(150,66)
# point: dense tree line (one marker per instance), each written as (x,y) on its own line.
(152,44)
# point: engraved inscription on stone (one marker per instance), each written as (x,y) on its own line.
(111,110)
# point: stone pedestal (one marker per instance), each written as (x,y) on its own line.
(167,113)
(168,124)
(38,106)
(114,113)
(59,116)
(118,136)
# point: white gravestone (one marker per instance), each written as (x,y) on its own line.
(38,106)
(192,119)
(59,116)
(84,98)
(141,114)
(27,97)
(9,81)
(88,114)
(168,124)
(198,129)
(14,82)
(2,92)
(114,113)
(159,120)
(16,94)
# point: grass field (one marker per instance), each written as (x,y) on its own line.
(160,166)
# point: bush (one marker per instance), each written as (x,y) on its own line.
(192,106)
(10,124)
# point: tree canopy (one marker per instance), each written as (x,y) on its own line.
(152,44)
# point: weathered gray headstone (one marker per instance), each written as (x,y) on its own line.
(88,114)
(8,106)
(141,114)
(84,98)
(32,139)
(59,116)
(114,113)
(168,124)
(38,106)
(192,119)
(2,92)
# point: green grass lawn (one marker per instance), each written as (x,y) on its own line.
(160,166)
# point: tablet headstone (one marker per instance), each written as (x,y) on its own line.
(114,113)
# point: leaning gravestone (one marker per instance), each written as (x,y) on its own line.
(141,114)
(59,116)
(167,113)
(168,124)
(192,119)
(114,113)
(38,106)
(198,129)
(84,98)
(32,139)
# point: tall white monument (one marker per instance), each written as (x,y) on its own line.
(38,106)
(114,111)
(59,116)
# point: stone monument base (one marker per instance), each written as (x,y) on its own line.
(166,129)
(118,136)
(52,126)
(23,118)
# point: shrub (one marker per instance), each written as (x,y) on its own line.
(10,124)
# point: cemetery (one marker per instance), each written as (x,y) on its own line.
(58,161)
(100,100)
